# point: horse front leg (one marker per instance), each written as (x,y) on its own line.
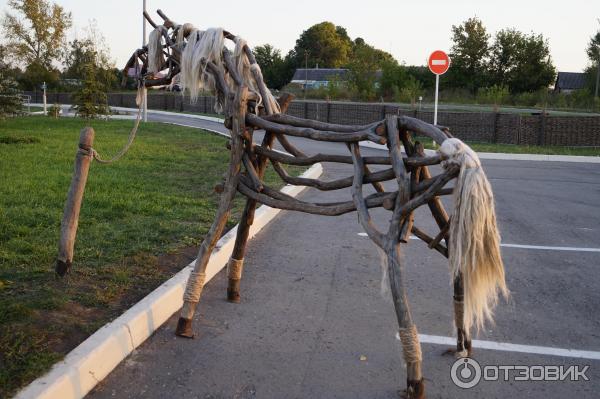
(236,262)
(411,348)
(195,284)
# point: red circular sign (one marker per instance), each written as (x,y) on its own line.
(439,62)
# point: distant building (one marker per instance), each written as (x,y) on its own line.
(566,82)
(314,78)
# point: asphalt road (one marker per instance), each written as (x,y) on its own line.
(313,323)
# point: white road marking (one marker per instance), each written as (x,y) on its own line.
(580,249)
(542,247)
(506,347)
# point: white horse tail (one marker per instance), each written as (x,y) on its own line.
(474,247)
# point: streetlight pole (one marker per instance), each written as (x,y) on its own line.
(144,42)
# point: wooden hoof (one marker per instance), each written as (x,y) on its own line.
(458,354)
(62,268)
(233,296)
(184,328)
(414,389)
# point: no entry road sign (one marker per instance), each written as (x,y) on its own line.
(439,62)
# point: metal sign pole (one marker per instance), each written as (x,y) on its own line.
(435,107)
(145,100)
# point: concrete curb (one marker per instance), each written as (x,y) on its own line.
(90,362)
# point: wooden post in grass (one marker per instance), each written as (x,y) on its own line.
(68,228)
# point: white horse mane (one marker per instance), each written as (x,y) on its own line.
(200,48)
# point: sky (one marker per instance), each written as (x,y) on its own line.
(410,31)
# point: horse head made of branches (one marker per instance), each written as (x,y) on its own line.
(469,237)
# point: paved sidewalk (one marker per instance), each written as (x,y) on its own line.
(311,305)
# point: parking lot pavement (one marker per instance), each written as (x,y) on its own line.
(313,323)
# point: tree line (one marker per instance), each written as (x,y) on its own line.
(35,49)
(486,67)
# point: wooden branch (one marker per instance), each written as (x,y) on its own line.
(310,160)
(395,232)
(424,128)
(382,175)
(289,147)
(376,185)
(150,21)
(301,122)
(276,199)
(435,205)
(443,233)
(252,173)
(357,196)
(432,191)
(425,238)
(230,66)
(313,134)
(168,23)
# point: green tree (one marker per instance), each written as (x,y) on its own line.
(423,75)
(35,74)
(411,90)
(468,55)
(36,33)
(277,71)
(324,44)
(91,48)
(363,68)
(10,96)
(364,64)
(593,53)
(393,77)
(90,98)
(521,62)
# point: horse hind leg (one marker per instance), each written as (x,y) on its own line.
(463,338)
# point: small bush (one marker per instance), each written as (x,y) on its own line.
(54,110)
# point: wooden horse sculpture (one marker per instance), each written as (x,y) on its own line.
(469,238)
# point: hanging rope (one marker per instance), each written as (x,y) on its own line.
(132,133)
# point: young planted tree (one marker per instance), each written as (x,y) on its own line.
(10,96)
(90,99)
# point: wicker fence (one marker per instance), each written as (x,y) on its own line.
(486,127)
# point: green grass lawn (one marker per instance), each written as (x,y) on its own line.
(138,216)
